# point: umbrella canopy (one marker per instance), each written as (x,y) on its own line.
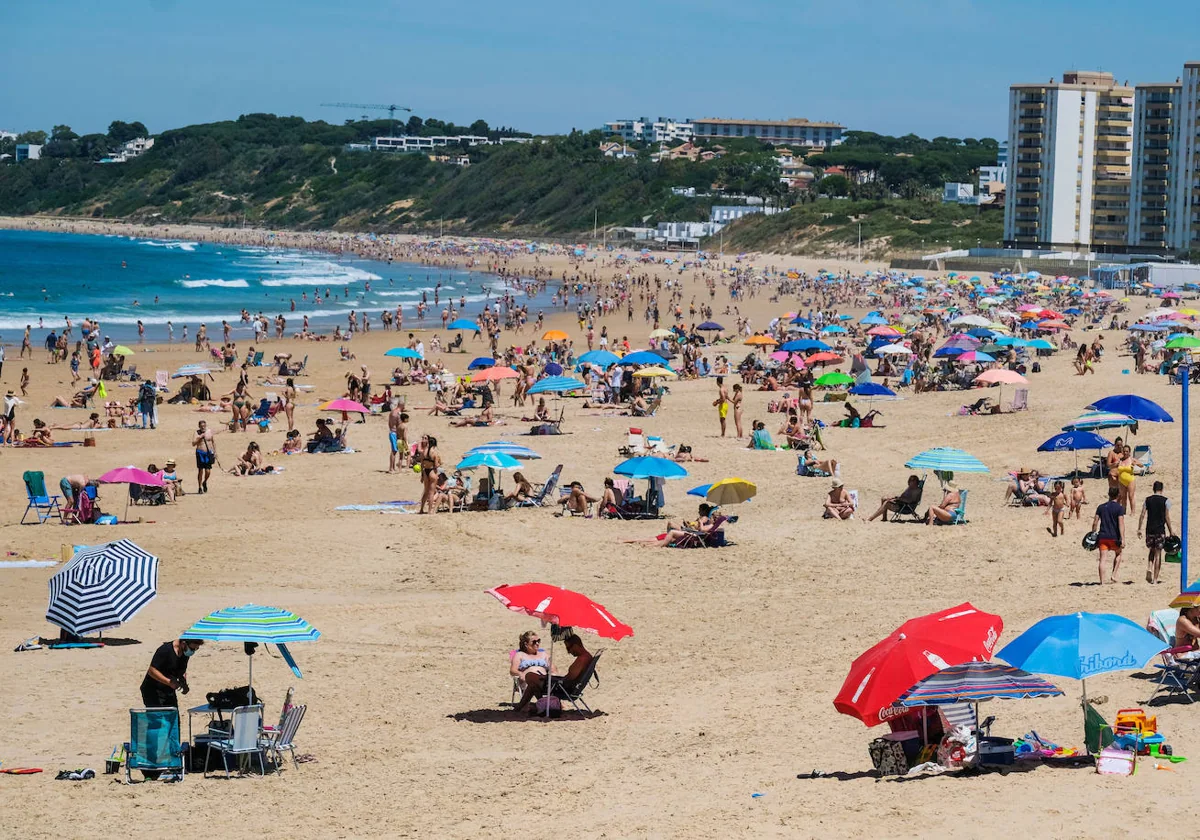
(1183,342)
(1131,405)
(871,389)
(975,356)
(873,319)
(647,466)
(824,357)
(122,350)
(945,459)
(562,607)
(1185,599)
(661,333)
(974,682)
(131,475)
(403,353)
(641,357)
(893,350)
(516,450)
(655,371)
(553,369)
(191,370)
(918,648)
(804,345)
(701,491)
(463,324)
(1003,376)
(556,385)
(1082,645)
(731,491)
(1093,420)
(554,335)
(481,362)
(710,326)
(491,460)
(102,586)
(1072,441)
(760,341)
(970,321)
(253,623)
(343,404)
(603,358)
(493,373)
(833,379)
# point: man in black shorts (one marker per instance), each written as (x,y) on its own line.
(206,455)
(1156,516)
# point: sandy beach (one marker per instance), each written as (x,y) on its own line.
(724,691)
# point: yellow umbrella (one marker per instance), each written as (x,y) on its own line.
(731,491)
(1188,312)
(122,350)
(760,340)
(653,371)
(661,333)
(554,335)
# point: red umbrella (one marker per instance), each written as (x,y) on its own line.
(823,358)
(918,648)
(562,607)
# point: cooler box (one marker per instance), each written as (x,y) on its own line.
(996,752)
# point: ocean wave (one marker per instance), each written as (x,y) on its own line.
(221,284)
(173,244)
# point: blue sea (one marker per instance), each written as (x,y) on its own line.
(120,280)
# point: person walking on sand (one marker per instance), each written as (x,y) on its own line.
(206,454)
(721,403)
(1156,517)
(1109,526)
(737,410)
(396,429)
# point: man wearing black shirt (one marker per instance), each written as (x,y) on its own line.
(168,672)
(1109,525)
(1156,516)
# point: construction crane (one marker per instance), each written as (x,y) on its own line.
(391,109)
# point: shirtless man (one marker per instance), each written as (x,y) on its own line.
(722,403)
(397,434)
(206,454)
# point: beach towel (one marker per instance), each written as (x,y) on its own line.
(27,564)
(390,508)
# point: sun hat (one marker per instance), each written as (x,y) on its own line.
(837,482)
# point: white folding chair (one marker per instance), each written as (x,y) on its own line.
(241,739)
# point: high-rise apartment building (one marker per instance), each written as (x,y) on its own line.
(1070,152)
(1152,178)
(1183,208)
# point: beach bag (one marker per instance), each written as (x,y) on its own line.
(887,757)
(553,703)
(231,698)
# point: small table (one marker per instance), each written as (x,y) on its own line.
(206,709)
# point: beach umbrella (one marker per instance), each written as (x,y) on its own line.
(601,358)
(833,329)
(403,353)
(970,321)
(1073,442)
(130,475)
(553,369)
(255,624)
(463,324)
(833,379)
(641,357)
(481,362)
(871,389)
(885,332)
(975,356)
(191,370)
(710,326)
(1096,420)
(646,466)
(661,333)
(121,350)
(873,319)
(1131,405)
(760,341)
(101,587)
(554,335)
(556,385)
(942,352)
(893,350)
(804,345)
(943,460)
(915,650)
(1082,645)
(513,450)
(731,491)
(823,357)
(701,491)
(1183,342)
(1000,377)
(1037,344)
(654,371)
(344,405)
(1185,599)
(975,682)
(663,353)
(492,460)
(494,373)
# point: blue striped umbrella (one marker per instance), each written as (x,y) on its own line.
(556,385)
(974,682)
(944,459)
(1094,420)
(491,460)
(102,586)
(508,447)
(254,623)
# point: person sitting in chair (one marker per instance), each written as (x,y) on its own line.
(529,666)
(577,501)
(810,465)
(906,500)
(944,513)
(569,682)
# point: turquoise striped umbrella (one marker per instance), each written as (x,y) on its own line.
(255,624)
(944,459)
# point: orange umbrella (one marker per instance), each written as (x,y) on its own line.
(488,374)
(554,335)
(760,340)
(823,358)
(1053,325)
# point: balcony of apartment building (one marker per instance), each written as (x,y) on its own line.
(1114,203)
(1037,114)
(1029,171)
(1025,232)
(1033,100)
(1026,216)
(1109,118)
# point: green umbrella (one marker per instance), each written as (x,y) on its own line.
(833,379)
(122,350)
(1183,342)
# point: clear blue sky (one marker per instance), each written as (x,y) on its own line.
(930,66)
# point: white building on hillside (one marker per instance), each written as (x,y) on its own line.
(662,130)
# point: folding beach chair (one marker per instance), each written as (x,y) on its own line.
(162,380)
(634,445)
(1143,460)
(545,492)
(711,537)
(1020,400)
(907,511)
(1097,734)
(258,359)
(573,694)
(275,742)
(154,745)
(1175,676)
(45,506)
(241,739)
(960,512)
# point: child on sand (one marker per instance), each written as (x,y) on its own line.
(1078,498)
(1058,503)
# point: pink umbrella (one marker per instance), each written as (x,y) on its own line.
(1001,377)
(343,404)
(131,475)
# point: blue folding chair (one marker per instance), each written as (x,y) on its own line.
(44,505)
(154,745)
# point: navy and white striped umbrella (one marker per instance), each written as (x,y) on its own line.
(102,586)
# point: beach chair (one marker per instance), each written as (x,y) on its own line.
(545,491)
(960,512)
(129,373)
(1175,676)
(1143,460)
(299,370)
(907,511)
(905,379)
(154,745)
(276,741)
(242,738)
(711,537)
(573,694)
(162,380)
(44,506)
(634,445)
(81,512)
(258,359)
(1020,400)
